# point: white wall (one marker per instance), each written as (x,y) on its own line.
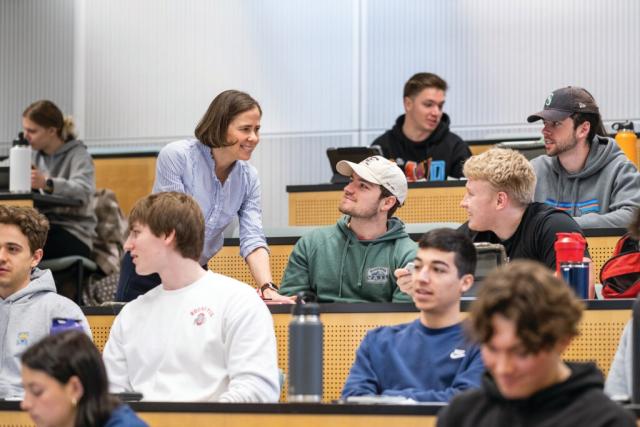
(327,73)
(36,59)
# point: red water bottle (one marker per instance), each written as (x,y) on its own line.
(569,247)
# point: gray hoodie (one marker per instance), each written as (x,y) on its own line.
(25,318)
(604,193)
(73,174)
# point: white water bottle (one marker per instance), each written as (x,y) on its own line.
(20,166)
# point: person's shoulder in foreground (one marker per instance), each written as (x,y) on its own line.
(123,416)
(524,318)
(429,359)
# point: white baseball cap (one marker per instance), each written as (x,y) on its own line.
(378,170)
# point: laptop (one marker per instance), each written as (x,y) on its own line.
(490,256)
(352,154)
(4,178)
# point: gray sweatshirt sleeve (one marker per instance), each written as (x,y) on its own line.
(618,383)
(81,182)
(622,203)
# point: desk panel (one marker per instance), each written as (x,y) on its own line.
(159,419)
(130,178)
(346,324)
(601,249)
(159,414)
(26,202)
(424,204)
(36,199)
(229,262)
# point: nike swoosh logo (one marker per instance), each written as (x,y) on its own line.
(457,354)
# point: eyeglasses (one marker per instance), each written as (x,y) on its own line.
(553,125)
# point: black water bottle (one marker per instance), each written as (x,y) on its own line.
(305,351)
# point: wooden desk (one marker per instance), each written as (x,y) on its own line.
(160,414)
(601,242)
(346,324)
(130,176)
(426,202)
(36,199)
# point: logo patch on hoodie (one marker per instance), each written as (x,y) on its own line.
(22,339)
(378,275)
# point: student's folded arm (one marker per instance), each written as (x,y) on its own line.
(405,254)
(623,201)
(80,184)
(251,353)
(297,275)
(468,376)
(115,361)
(362,379)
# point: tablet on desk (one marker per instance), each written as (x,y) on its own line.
(350,154)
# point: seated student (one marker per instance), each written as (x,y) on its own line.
(28,298)
(62,167)
(619,379)
(498,201)
(422,133)
(199,336)
(584,172)
(66,385)
(524,318)
(353,261)
(429,359)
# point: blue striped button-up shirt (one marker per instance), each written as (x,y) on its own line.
(187,166)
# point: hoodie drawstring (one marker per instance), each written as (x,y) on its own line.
(345,249)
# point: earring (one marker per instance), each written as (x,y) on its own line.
(74,401)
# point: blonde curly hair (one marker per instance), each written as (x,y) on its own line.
(506,170)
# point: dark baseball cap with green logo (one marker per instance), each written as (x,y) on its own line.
(562,103)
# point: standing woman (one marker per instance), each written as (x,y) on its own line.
(213,169)
(62,166)
(66,385)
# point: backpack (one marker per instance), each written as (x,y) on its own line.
(620,275)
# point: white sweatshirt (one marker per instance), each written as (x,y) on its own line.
(210,341)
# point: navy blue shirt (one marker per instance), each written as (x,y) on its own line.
(416,362)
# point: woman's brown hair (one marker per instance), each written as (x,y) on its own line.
(212,129)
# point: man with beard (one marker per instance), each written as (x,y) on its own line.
(584,172)
(354,260)
(422,133)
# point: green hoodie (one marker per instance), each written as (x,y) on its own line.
(332,263)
